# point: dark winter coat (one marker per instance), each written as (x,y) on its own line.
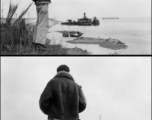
(62,98)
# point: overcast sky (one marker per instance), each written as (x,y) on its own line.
(117,88)
(99,8)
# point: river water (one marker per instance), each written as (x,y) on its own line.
(134,32)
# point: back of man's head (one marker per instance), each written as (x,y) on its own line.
(63,68)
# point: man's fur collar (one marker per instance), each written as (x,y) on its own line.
(64,74)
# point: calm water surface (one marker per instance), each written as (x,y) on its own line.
(134,32)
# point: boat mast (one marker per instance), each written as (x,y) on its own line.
(100,117)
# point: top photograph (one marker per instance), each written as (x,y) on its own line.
(75,27)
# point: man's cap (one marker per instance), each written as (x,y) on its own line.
(63,68)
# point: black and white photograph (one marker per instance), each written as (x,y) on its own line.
(75,27)
(76,88)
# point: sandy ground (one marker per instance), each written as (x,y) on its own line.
(77,51)
(113,44)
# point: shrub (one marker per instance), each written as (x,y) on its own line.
(16,36)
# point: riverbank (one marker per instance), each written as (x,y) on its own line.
(58,51)
(77,51)
(17,40)
(113,44)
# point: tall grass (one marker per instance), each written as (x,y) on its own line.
(11,12)
(16,36)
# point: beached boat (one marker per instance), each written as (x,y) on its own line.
(72,34)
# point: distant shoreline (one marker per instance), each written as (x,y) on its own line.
(99,18)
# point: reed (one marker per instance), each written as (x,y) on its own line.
(16,36)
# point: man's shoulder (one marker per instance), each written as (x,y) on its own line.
(63,81)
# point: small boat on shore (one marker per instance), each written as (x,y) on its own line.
(72,34)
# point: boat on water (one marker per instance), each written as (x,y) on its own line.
(95,21)
(110,18)
(82,21)
(72,34)
(69,22)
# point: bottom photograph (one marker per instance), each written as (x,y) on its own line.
(76,88)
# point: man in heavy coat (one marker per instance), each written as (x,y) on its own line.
(62,98)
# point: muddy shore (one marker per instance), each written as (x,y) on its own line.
(113,44)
